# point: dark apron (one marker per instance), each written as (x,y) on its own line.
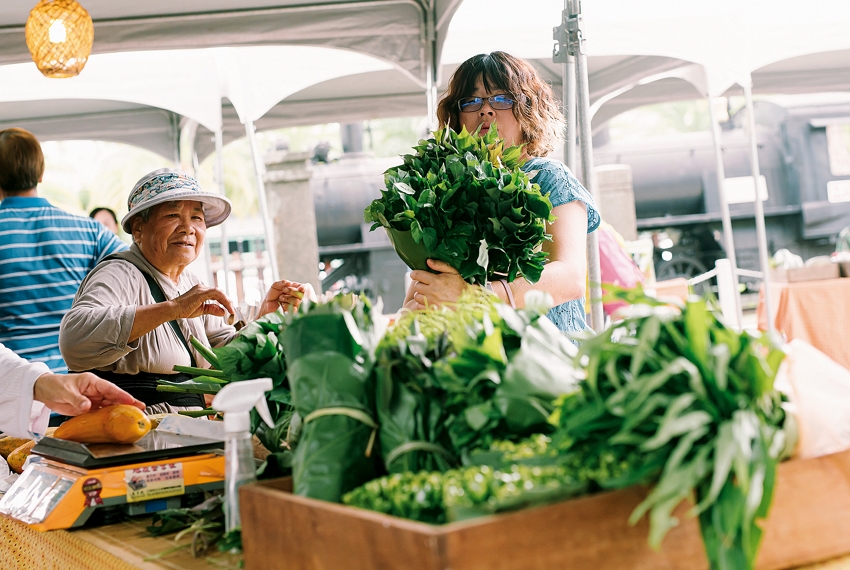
(142,386)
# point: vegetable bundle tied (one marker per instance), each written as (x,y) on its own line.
(465,200)
(330,352)
(689,404)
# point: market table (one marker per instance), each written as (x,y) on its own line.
(817,312)
(121,546)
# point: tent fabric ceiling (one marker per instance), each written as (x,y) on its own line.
(729,38)
(150,128)
(398,91)
(390,30)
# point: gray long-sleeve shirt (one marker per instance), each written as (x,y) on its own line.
(94,333)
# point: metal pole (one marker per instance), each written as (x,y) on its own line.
(597,317)
(728,239)
(431,60)
(570,113)
(761,234)
(219,174)
(259,168)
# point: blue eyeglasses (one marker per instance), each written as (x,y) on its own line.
(497,102)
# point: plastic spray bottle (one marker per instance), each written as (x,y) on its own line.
(236,400)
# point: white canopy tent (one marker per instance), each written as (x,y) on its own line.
(729,40)
(202,79)
(627,44)
(406,33)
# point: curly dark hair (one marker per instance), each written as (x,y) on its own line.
(537,110)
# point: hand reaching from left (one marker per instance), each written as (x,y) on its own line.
(74,394)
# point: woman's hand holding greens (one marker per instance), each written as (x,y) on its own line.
(435,288)
(286,295)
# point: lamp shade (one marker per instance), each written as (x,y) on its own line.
(59,36)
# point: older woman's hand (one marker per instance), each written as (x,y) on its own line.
(286,295)
(196,302)
(435,289)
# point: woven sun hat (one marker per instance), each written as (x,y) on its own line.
(169,185)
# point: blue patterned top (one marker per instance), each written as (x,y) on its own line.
(556,180)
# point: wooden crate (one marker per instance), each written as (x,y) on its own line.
(810,522)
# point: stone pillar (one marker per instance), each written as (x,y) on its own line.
(293,216)
(617,198)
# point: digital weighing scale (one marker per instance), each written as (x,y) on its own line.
(66,482)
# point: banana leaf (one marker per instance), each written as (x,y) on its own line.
(330,354)
(413,436)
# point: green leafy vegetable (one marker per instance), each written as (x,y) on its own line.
(453,380)
(686,403)
(458,189)
(330,353)
(464,493)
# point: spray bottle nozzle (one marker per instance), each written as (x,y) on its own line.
(237,399)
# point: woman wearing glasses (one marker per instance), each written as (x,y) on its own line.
(500,89)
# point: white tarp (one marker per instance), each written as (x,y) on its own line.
(730,38)
(192,82)
(392,30)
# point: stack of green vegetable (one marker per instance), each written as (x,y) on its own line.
(672,399)
(457,189)
(255,353)
(330,353)
(687,403)
(452,381)
(464,493)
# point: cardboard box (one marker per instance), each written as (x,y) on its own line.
(810,273)
(808,524)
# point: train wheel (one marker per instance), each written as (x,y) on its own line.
(683,266)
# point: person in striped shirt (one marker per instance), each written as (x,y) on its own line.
(45,253)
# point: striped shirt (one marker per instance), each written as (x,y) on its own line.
(45,253)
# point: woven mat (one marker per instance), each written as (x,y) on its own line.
(22,548)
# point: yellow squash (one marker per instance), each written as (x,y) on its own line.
(17,458)
(113,424)
(10,444)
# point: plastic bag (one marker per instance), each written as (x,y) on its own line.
(819,390)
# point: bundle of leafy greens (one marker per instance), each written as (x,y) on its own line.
(451,381)
(685,403)
(463,493)
(330,352)
(255,353)
(672,398)
(458,189)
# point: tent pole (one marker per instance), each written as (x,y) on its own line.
(570,113)
(271,251)
(728,239)
(572,25)
(761,234)
(219,174)
(432,65)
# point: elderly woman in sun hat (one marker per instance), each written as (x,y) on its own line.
(134,313)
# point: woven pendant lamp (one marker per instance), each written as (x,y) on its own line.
(59,36)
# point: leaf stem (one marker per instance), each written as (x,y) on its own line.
(205,351)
